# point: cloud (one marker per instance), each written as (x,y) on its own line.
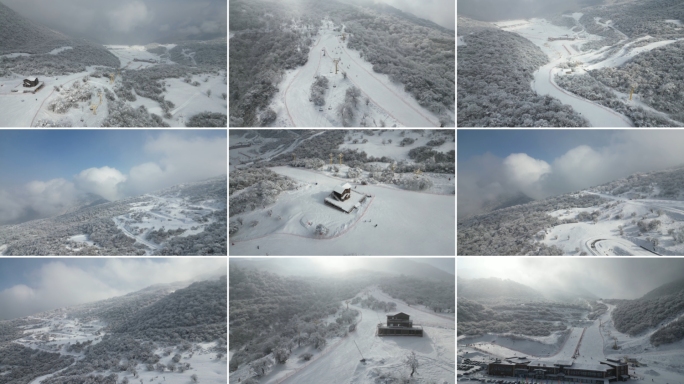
(128,17)
(56,284)
(128,21)
(483,179)
(438,11)
(177,159)
(180,160)
(627,279)
(103,181)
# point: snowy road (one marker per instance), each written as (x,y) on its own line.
(613,246)
(390,98)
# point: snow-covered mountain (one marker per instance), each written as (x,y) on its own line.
(602,65)
(97,343)
(323,329)
(278,187)
(84,84)
(637,215)
(185,219)
(338,63)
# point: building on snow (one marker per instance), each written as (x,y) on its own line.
(521,367)
(399,325)
(344,198)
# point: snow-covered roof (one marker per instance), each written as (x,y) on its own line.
(341,188)
(591,367)
(349,204)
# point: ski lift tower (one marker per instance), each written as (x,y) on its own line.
(363,359)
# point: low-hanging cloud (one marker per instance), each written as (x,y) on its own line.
(56,284)
(618,278)
(441,12)
(129,21)
(483,179)
(177,159)
(128,16)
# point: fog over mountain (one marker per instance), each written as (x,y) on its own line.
(129,21)
(625,278)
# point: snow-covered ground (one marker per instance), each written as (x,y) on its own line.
(375,146)
(27,110)
(603,237)
(388,101)
(56,331)
(340,361)
(168,213)
(408,222)
(664,364)
(538,31)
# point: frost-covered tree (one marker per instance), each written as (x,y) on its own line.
(411,361)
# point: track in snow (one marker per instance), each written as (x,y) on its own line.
(402,107)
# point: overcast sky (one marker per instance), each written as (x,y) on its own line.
(129,21)
(31,285)
(543,163)
(442,12)
(43,171)
(613,278)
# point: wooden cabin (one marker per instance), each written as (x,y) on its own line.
(30,83)
(342,192)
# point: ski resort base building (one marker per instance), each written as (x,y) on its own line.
(399,325)
(344,198)
(566,371)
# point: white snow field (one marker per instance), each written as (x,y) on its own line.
(375,147)
(559,51)
(19,109)
(538,31)
(168,213)
(603,237)
(663,363)
(408,222)
(57,331)
(340,361)
(388,102)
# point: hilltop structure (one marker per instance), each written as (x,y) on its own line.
(399,325)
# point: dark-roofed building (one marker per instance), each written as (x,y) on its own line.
(399,325)
(606,371)
(30,83)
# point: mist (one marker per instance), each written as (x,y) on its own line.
(177,158)
(53,283)
(486,177)
(129,21)
(441,12)
(496,10)
(438,268)
(608,278)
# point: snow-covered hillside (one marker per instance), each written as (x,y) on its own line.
(383,102)
(175,220)
(288,227)
(340,362)
(202,92)
(589,344)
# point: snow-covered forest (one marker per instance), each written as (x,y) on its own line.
(270,169)
(495,69)
(151,342)
(512,230)
(141,86)
(281,323)
(122,227)
(269,39)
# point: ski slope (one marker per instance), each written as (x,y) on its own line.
(388,101)
(340,361)
(408,222)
